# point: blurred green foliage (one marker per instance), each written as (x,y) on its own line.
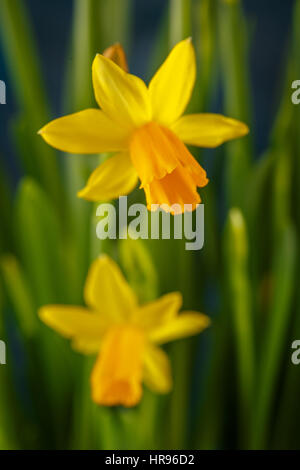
(235,386)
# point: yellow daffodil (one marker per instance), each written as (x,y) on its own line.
(145,126)
(125,335)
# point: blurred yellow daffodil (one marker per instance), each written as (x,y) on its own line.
(146,127)
(125,335)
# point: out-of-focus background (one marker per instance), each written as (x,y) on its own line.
(269,22)
(235,385)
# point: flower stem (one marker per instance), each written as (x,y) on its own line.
(239,297)
(180,20)
(233,54)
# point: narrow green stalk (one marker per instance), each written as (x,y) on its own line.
(182,354)
(139,268)
(40,243)
(6,405)
(25,74)
(40,246)
(7,441)
(180,27)
(97,246)
(259,215)
(169,261)
(115,20)
(21,53)
(210,253)
(283,271)
(180,20)
(235,79)
(152,412)
(82,437)
(79,92)
(285,434)
(294,122)
(85,45)
(19,294)
(212,414)
(95,427)
(239,294)
(260,183)
(180,403)
(109,430)
(281,193)
(205,13)
(6,241)
(276,331)
(233,50)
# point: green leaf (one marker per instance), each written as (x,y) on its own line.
(235,76)
(180,20)
(40,244)
(275,334)
(21,56)
(19,294)
(6,241)
(236,258)
(139,268)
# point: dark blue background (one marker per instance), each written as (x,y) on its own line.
(269,20)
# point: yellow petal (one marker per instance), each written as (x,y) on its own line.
(89,131)
(121,96)
(208,130)
(117,54)
(159,311)
(157,370)
(113,178)
(185,324)
(107,291)
(172,85)
(83,326)
(117,375)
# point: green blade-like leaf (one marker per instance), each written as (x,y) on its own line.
(240,304)
(40,244)
(276,331)
(20,296)
(21,56)
(235,77)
